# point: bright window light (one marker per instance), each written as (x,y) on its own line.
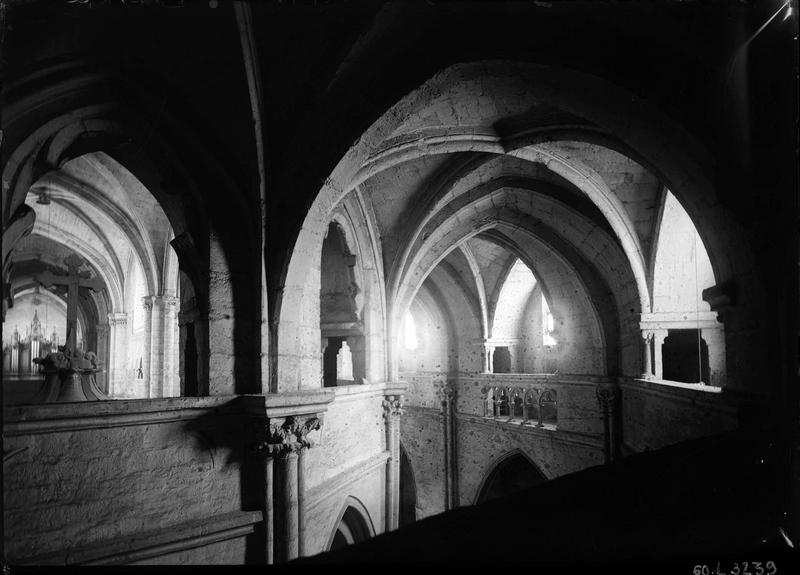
(410,332)
(548,326)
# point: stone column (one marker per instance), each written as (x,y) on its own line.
(301,501)
(269,511)
(171,387)
(286,440)
(607,396)
(659,335)
(322,348)
(102,355)
(449,406)
(15,352)
(392,410)
(488,358)
(189,319)
(156,379)
(357,349)
(647,372)
(291,531)
(117,368)
(512,359)
(715,340)
(147,302)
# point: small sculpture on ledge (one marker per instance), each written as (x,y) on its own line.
(69,376)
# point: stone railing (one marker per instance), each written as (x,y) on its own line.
(566,402)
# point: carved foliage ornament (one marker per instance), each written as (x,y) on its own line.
(286,436)
(393,406)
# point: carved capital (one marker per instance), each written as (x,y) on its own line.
(147,303)
(607,396)
(170,302)
(280,437)
(445,391)
(647,335)
(117,319)
(393,406)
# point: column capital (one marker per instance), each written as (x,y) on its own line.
(607,395)
(393,406)
(169,302)
(660,334)
(280,437)
(117,318)
(445,392)
(147,302)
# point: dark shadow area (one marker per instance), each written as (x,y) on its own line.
(502,360)
(681,359)
(710,499)
(352,529)
(408,490)
(329,361)
(511,475)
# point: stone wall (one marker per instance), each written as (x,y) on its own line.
(174,481)
(353,430)
(421,390)
(107,480)
(482,443)
(653,415)
(365,482)
(348,462)
(658,414)
(433,340)
(422,436)
(575,443)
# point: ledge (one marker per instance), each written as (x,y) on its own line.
(55,417)
(693,393)
(534,378)
(668,383)
(138,547)
(549,432)
(361,391)
(296,402)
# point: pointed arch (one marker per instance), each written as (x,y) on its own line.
(353,525)
(514,470)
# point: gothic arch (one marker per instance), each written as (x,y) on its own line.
(354,218)
(353,516)
(496,467)
(86,109)
(408,489)
(606,318)
(657,141)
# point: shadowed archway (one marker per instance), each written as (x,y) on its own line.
(353,526)
(511,474)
